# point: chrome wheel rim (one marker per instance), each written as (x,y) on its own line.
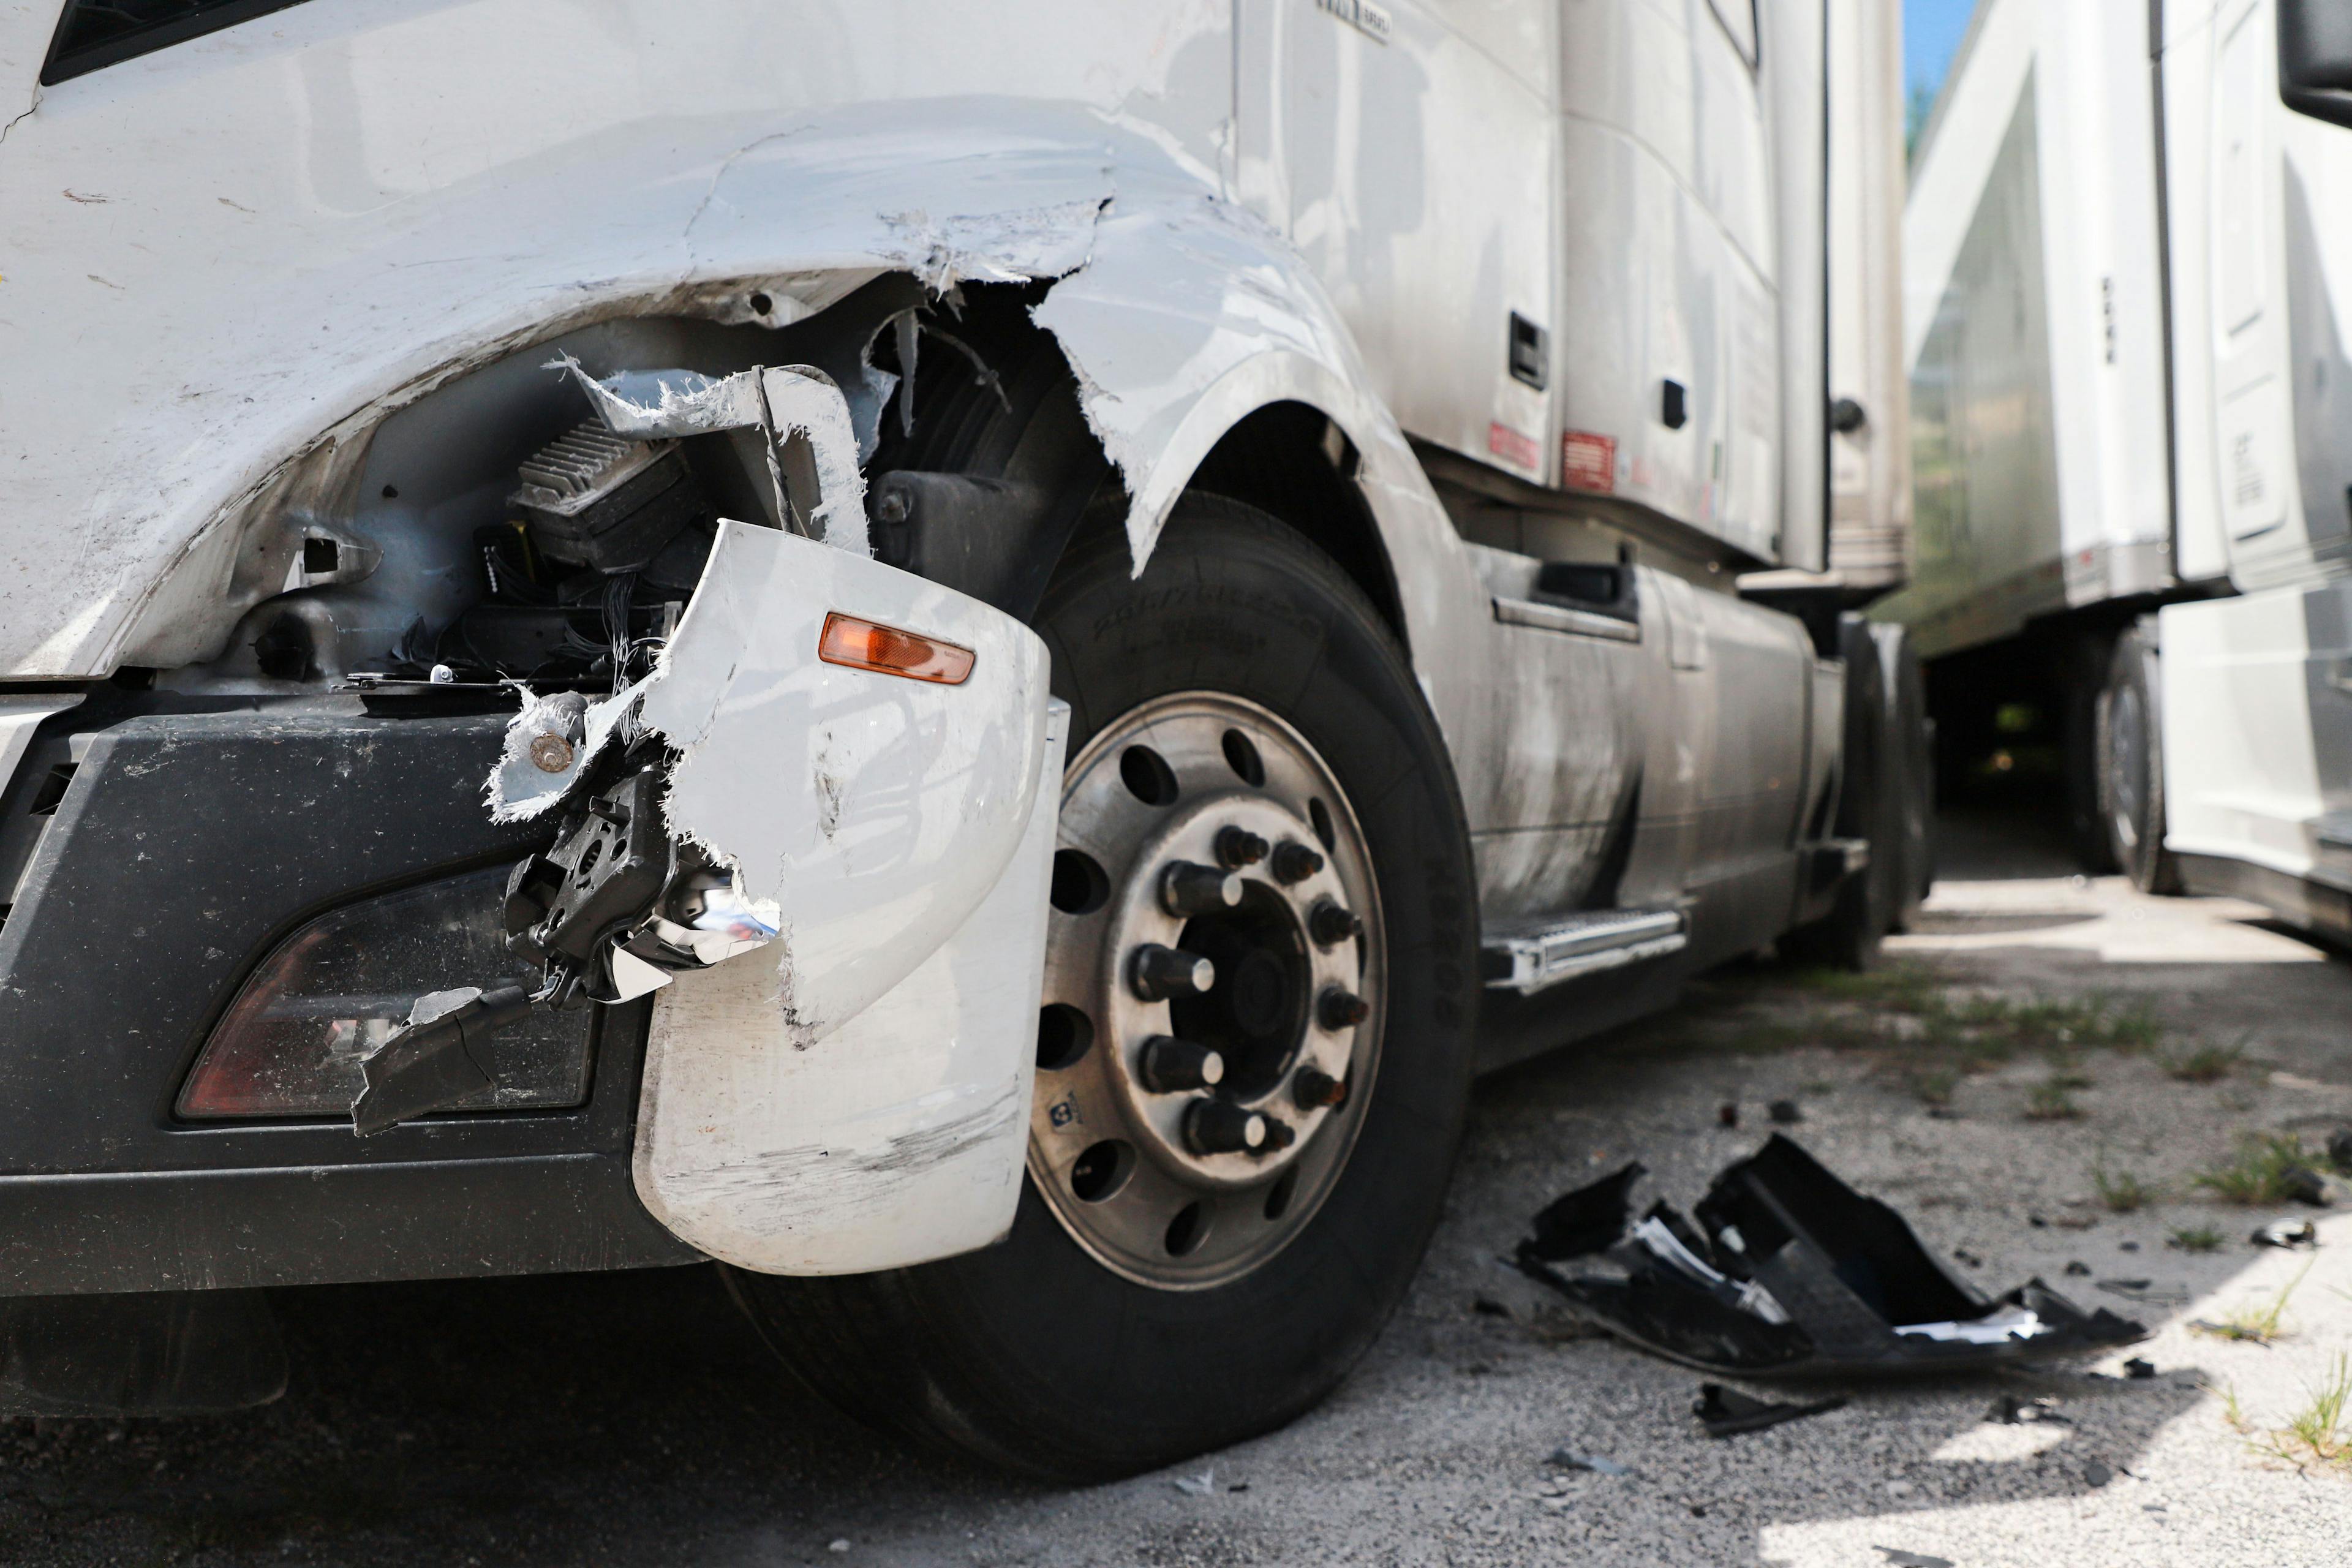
(1150,1172)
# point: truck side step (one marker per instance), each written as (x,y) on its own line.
(1528,959)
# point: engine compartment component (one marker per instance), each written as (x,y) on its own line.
(594,498)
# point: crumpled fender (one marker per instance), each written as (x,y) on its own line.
(1179,312)
(854,1095)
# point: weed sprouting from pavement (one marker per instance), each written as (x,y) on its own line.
(2232,1414)
(2253,1323)
(2267,1168)
(1933,1084)
(2205,1063)
(2316,1432)
(2049,1102)
(2120,1191)
(1897,988)
(2196,1238)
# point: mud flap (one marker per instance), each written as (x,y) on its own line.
(855,1095)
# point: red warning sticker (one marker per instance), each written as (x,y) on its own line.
(1588,462)
(1519,451)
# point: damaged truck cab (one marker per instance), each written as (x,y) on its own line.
(968,660)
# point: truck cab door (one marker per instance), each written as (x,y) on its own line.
(2281,399)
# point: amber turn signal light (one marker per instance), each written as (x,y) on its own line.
(862,645)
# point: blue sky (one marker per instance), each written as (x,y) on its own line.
(1932,30)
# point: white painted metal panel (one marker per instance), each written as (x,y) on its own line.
(1418,180)
(358,194)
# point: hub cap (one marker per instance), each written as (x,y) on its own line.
(1214,982)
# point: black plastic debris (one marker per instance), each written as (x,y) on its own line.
(1898,1558)
(2287,1233)
(1727,1412)
(1784,1112)
(1727,1114)
(2077,1270)
(2139,1367)
(2147,1290)
(1786,1271)
(2009,1410)
(2306,1186)
(1587,1219)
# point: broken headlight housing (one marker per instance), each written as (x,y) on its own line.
(331,994)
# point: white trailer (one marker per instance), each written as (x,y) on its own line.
(1069,614)
(2132,440)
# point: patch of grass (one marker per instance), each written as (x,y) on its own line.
(2120,1191)
(1896,987)
(2253,1323)
(2317,1432)
(2205,1064)
(1933,1084)
(2196,1238)
(2263,1171)
(2049,1102)
(2082,1023)
(2234,1416)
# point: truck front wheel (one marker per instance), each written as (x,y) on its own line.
(1253,1047)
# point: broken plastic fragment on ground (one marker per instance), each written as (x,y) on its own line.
(1790,1272)
(1898,1558)
(2287,1233)
(1565,1460)
(1727,1412)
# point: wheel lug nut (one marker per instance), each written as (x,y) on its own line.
(1279,1135)
(1312,1087)
(1296,863)
(1221,1126)
(1158,972)
(1328,924)
(1187,890)
(1172,1066)
(1238,846)
(1337,1009)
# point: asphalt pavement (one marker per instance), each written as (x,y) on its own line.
(2038,1049)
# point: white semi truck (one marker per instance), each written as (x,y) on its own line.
(965,658)
(2124,258)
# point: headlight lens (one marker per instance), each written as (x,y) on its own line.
(291,1043)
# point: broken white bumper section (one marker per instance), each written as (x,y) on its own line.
(854,1095)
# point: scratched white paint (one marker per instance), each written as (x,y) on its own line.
(897,1139)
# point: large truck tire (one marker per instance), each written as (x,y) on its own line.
(1908,763)
(2083,672)
(2130,740)
(1154,1299)
(1869,786)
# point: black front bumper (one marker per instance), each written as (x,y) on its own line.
(185,846)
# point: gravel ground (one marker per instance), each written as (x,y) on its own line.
(632,1418)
